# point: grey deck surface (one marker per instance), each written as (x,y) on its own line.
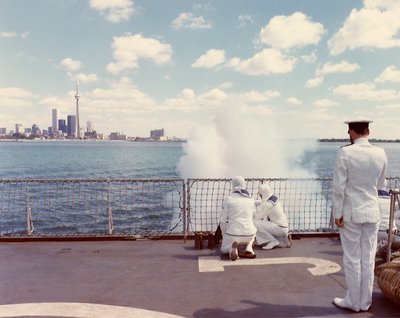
(164,277)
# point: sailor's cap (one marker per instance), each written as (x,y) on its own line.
(358,120)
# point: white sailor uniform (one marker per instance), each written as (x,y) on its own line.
(236,221)
(271,223)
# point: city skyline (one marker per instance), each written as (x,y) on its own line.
(278,68)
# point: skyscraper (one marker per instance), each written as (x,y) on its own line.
(19,129)
(71,126)
(78,127)
(62,125)
(54,122)
(89,126)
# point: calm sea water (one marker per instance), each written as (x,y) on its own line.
(122,159)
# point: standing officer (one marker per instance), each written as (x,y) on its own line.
(360,170)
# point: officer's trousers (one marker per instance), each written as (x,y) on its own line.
(359,246)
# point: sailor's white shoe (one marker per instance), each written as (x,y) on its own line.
(340,302)
(270,245)
(234,254)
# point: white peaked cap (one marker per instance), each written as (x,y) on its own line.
(358,120)
(238,183)
(265,191)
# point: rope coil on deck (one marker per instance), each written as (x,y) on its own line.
(389,280)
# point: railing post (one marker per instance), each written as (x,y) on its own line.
(184,209)
(187,217)
(109,210)
(29,221)
(393,195)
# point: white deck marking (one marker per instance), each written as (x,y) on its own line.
(81,310)
(321,266)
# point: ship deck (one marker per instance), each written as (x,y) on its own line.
(170,278)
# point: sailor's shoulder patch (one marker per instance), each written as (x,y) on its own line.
(273,199)
(383,193)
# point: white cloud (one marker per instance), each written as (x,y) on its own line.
(15,92)
(314,82)
(390,74)
(244,20)
(365,91)
(63,104)
(185,101)
(210,59)
(188,101)
(122,96)
(320,114)
(129,49)
(389,107)
(325,103)
(297,30)
(187,20)
(255,96)
(114,10)
(226,85)
(294,101)
(15,97)
(87,78)
(376,25)
(70,64)
(8,34)
(341,67)
(12,34)
(25,35)
(311,58)
(268,61)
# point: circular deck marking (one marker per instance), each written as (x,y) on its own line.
(78,310)
(321,266)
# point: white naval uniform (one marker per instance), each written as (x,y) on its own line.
(237,222)
(360,171)
(271,221)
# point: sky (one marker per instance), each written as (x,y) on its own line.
(302,67)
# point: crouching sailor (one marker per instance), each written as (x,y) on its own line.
(237,221)
(270,220)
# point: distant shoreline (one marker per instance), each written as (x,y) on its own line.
(347,140)
(343,140)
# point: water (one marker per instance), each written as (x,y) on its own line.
(322,160)
(122,159)
(89,159)
(69,208)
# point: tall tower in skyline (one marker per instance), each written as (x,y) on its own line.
(54,122)
(78,127)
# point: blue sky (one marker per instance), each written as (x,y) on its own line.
(300,67)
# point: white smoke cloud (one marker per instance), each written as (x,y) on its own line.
(239,143)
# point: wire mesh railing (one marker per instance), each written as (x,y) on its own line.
(64,207)
(149,207)
(306,202)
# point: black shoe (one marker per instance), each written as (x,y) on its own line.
(247,254)
(233,254)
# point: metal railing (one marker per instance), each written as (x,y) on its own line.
(306,202)
(148,207)
(128,207)
(394,197)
